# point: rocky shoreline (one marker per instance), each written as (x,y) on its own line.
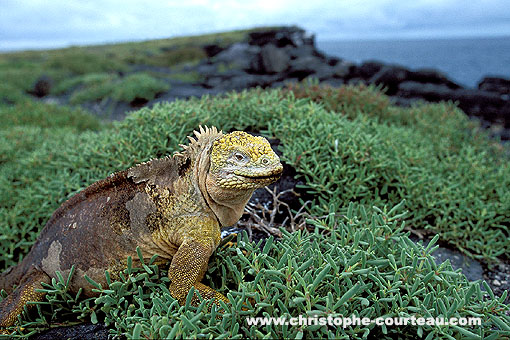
(272,58)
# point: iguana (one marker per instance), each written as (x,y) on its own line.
(173,207)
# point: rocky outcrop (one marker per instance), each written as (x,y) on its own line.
(286,36)
(390,76)
(212,49)
(240,56)
(271,60)
(273,57)
(268,58)
(429,76)
(493,84)
(488,105)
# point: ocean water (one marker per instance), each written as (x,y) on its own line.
(465,61)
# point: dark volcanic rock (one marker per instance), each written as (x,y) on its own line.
(432,77)
(428,92)
(303,67)
(239,80)
(369,68)
(494,84)
(272,60)
(273,57)
(498,279)
(281,37)
(324,72)
(260,38)
(471,268)
(332,61)
(344,69)
(489,105)
(82,331)
(284,82)
(186,91)
(248,81)
(390,76)
(301,51)
(240,55)
(42,86)
(212,49)
(207,69)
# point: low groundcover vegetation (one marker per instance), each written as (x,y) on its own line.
(375,171)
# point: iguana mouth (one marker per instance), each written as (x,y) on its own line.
(262,177)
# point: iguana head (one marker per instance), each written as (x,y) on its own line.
(237,164)
(242,162)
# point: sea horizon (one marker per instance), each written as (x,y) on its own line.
(20,45)
(465,60)
(413,38)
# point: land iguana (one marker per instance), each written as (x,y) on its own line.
(173,207)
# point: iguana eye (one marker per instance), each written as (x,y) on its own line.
(239,157)
(265,161)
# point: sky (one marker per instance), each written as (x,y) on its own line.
(57,23)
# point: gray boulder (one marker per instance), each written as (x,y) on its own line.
(300,52)
(271,60)
(491,106)
(390,76)
(369,68)
(280,37)
(432,77)
(205,69)
(303,67)
(212,49)
(344,69)
(239,80)
(240,54)
(324,72)
(495,84)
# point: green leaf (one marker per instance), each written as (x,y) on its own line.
(500,323)
(348,295)
(92,282)
(137,331)
(465,332)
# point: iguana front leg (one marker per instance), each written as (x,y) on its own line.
(13,304)
(187,269)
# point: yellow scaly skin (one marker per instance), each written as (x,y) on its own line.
(173,207)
